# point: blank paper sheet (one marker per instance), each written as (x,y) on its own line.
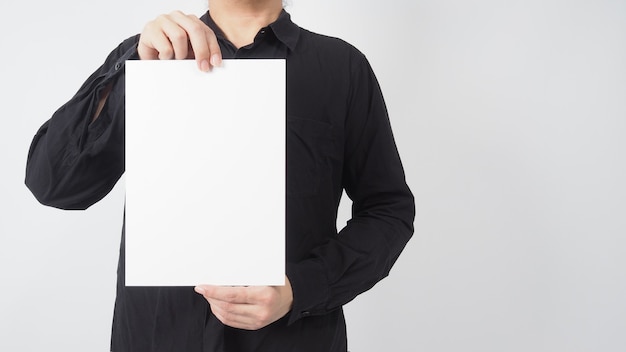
(205,173)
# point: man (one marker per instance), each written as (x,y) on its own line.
(338,137)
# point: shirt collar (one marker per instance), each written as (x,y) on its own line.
(285,30)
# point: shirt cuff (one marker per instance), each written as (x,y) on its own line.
(310,289)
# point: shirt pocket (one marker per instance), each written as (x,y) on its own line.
(309,147)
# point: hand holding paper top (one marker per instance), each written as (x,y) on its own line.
(174,36)
(180,36)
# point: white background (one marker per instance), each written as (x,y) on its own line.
(510,117)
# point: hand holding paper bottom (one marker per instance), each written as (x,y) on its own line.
(248,308)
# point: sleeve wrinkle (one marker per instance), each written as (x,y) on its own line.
(72,164)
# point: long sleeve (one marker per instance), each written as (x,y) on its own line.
(382,214)
(338,137)
(72,162)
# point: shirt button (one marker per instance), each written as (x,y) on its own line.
(306,314)
(118,65)
(263,31)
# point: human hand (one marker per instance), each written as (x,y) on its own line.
(250,307)
(179,36)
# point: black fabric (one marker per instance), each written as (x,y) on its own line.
(338,137)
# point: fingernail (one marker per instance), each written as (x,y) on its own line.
(204,66)
(199,290)
(215,60)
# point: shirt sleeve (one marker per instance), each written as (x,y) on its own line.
(72,162)
(382,213)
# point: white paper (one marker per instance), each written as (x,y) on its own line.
(205,173)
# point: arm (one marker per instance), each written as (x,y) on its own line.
(77,156)
(382,214)
(72,162)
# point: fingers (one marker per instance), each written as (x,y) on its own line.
(204,45)
(238,294)
(156,38)
(234,306)
(248,317)
(248,308)
(180,36)
(176,34)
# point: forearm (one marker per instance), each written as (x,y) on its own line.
(77,156)
(73,163)
(356,259)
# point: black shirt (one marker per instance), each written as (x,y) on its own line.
(338,137)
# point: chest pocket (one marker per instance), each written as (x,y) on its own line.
(309,146)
